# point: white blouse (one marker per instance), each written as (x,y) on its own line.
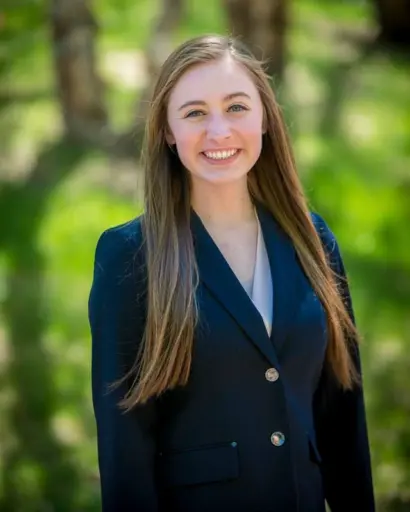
(261,290)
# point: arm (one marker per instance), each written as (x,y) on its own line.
(340,418)
(126,443)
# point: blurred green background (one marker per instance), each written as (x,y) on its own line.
(74,83)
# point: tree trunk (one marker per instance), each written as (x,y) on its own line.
(79,87)
(262,25)
(35,447)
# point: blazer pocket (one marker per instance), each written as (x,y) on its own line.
(212,463)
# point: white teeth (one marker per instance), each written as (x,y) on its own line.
(220,155)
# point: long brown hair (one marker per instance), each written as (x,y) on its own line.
(164,358)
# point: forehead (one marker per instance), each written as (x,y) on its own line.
(212,81)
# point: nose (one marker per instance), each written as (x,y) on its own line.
(218,128)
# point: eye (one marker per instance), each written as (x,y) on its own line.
(194,113)
(237,108)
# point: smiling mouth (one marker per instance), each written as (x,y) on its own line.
(220,155)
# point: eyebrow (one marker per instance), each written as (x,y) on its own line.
(226,98)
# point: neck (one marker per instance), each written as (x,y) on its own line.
(224,206)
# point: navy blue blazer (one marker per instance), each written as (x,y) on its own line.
(260,427)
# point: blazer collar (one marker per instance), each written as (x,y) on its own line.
(221,281)
(289,281)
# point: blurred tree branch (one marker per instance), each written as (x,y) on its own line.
(81,97)
(262,24)
(79,87)
(160,45)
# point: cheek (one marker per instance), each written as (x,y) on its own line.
(250,126)
(187,140)
(250,131)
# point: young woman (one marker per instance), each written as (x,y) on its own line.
(225,367)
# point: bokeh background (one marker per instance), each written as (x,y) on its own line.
(75,80)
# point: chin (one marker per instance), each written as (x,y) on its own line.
(221,177)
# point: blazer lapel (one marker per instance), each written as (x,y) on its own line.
(289,281)
(221,281)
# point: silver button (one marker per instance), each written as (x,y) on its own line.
(272,374)
(277,438)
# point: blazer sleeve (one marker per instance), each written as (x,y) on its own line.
(126,441)
(340,418)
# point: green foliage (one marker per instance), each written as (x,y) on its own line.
(350,122)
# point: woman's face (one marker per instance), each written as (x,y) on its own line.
(215,118)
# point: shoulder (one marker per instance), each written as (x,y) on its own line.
(118,246)
(117,273)
(328,238)
(118,270)
(324,231)
(128,234)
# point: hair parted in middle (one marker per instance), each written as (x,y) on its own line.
(165,353)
